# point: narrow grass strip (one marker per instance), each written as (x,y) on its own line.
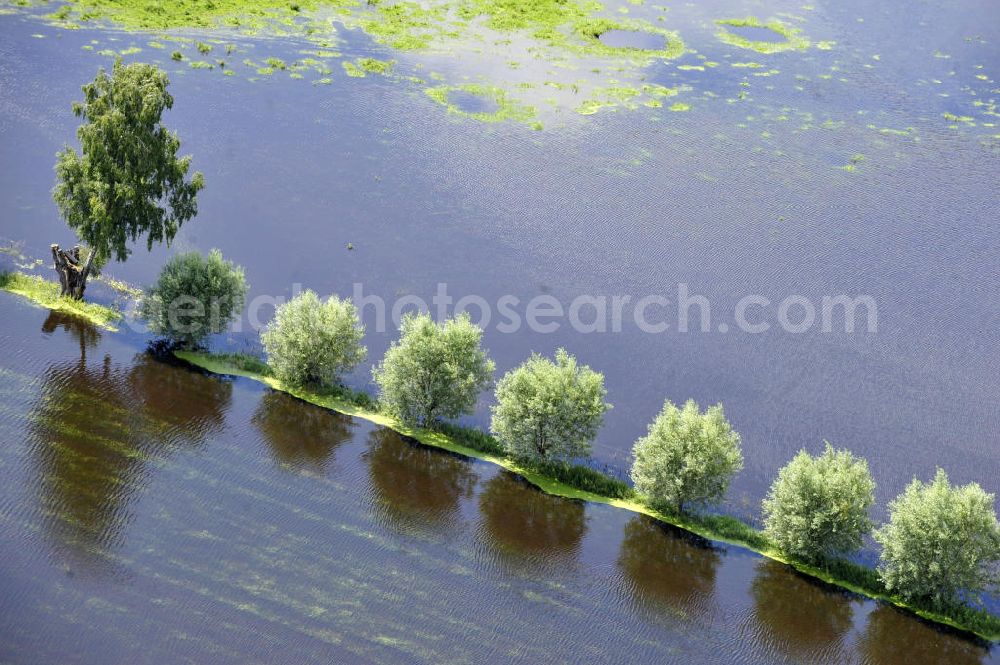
(719,528)
(45,293)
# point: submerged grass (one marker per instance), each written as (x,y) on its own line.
(45,292)
(587,484)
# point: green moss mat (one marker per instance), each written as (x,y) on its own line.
(46,293)
(725,530)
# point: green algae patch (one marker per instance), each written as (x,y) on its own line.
(353,70)
(791,37)
(158,15)
(852,165)
(542,35)
(406,26)
(718,528)
(363,66)
(542,17)
(651,95)
(45,293)
(591,29)
(375,66)
(506,108)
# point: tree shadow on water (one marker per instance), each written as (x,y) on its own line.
(300,436)
(668,568)
(802,618)
(416,488)
(521,523)
(896,637)
(97,430)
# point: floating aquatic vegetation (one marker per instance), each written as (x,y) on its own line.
(375,66)
(593,29)
(505,107)
(964,119)
(853,164)
(353,70)
(536,35)
(790,36)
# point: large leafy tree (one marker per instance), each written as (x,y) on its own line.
(941,542)
(549,410)
(818,506)
(687,457)
(127,182)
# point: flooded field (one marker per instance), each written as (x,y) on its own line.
(154,514)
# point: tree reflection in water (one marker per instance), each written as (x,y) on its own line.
(415,487)
(799,616)
(523,523)
(300,436)
(96,430)
(895,637)
(668,567)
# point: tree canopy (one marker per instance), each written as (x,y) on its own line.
(941,541)
(549,410)
(687,456)
(434,371)
(128,181)
(818,506)
(312,342)
(194,296)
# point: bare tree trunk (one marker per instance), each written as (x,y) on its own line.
(72,277)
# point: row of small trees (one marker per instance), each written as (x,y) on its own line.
(940,541)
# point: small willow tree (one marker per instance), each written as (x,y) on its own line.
(127,182)
(941,544)
(549,410)
(434,371)
(688,457)
(819,506)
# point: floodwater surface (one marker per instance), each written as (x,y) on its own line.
(755,33)
(632,39)
(150,513)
